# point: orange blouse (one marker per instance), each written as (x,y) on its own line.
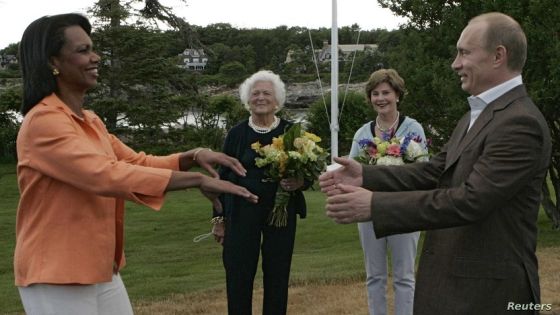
(73,178)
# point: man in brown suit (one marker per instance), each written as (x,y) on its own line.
(478,198)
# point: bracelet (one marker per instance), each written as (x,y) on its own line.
(198,151)
(217,220)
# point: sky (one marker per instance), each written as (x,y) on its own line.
(15,15)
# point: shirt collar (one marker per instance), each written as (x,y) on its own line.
(492,94)
(478,103)
(54,100)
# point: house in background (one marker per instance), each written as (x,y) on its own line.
(323,55)
(6,60)
(193,59)
(344,51)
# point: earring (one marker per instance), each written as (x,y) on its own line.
(55,72)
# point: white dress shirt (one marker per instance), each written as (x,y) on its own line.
(478,103)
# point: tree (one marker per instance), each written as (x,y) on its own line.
(222,113)
(10,98)
(11,49)
(365,62)
(218,55)
(11,70)
(348,34)
(300,60)
(228,109)
(426,48)
(355,112)
(217,33)
(140,86)
(233,72)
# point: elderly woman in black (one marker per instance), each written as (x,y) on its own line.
(243,228)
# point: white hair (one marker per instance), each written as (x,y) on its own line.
(266,76)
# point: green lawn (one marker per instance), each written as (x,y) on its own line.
(163,259)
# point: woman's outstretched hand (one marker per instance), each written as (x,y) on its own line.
(208,159)
(211,188)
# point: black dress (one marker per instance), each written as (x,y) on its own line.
(246,226)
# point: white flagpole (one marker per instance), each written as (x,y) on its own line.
(334,83)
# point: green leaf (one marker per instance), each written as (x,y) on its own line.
(290,135)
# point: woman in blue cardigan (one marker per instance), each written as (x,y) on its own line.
(384,90)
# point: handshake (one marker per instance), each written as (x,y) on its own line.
(347,201)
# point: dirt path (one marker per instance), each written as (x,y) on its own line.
(336,299)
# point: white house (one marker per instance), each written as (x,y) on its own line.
(193,59)
(6,60)
(344,51)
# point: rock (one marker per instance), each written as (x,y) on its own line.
(298,95)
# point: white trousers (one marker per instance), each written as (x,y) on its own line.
(403,255)
(109,298)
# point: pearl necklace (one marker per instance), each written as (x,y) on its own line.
(263,130)
(378,126)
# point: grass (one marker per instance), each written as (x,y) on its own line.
(163,260)
(8,202)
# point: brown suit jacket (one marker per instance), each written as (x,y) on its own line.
(479,200)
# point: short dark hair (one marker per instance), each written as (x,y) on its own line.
(504,30)
(41,40)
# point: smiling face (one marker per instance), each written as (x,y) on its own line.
(473,62)
(384,98)
(262,100)
(76,61)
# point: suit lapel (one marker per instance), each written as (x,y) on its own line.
(458,145)
(456,139)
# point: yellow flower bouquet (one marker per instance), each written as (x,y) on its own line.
(295,154)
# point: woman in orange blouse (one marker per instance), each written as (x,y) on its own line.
(74,176)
